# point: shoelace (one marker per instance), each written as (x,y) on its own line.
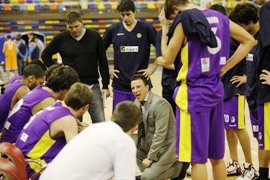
(245,172)
(230,164)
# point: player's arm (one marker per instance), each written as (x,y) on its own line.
(65,126)
(247,43)
(48,52)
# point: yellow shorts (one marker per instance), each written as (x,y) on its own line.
(11,63)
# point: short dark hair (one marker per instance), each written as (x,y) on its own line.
(62,78)
(127,115)
(8,36)
(49,71)
(244,14)
(140,76)
(168,6)
(219,8)
(18,37)
(126,5)
(33,69)
(39,63)
(73,16)
(78,96)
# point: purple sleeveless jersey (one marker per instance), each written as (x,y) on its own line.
(21,113)
(5,100)
(35,136)
(200,85)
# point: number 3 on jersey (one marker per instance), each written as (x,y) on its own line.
(216,49)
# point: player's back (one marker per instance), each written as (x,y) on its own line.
(198,75)
(10,48)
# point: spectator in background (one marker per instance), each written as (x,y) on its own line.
(102,151)
(40,44)
(22,53)
(10,52)
(34,51)
(131,40)
(48,131)
(83,50)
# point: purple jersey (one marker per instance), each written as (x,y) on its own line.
(5,100)
(15,78)
(200,85)
(21,113)
(131,50)
(35,141)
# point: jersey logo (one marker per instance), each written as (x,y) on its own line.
(24,137)
(212,20)
(249,57)
(129,48)
(139,35)
(120,34)
(205,64)
(222,61)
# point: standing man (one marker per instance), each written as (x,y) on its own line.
(10,52)
(101,151)
(156,134)
(131,40)
(22,53)
(245,15)
(201,37)
(83,50)
(263,98)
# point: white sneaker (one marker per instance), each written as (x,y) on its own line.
(233,168)
(249,172)
(188,172)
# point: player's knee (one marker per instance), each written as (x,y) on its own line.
(148,175)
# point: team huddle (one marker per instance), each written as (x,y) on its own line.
(212,63)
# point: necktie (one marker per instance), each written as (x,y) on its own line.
(141,129)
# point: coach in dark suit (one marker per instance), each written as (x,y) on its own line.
(156,134)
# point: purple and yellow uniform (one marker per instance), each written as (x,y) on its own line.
(234,99)
(263,98)
(35,141)
(199,94)
(5,101)
(21,113)
(131,53)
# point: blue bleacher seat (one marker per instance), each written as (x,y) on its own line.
(46,7)
(38,7)
(1,8)
(61,7)
(92,6)
(22,7)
